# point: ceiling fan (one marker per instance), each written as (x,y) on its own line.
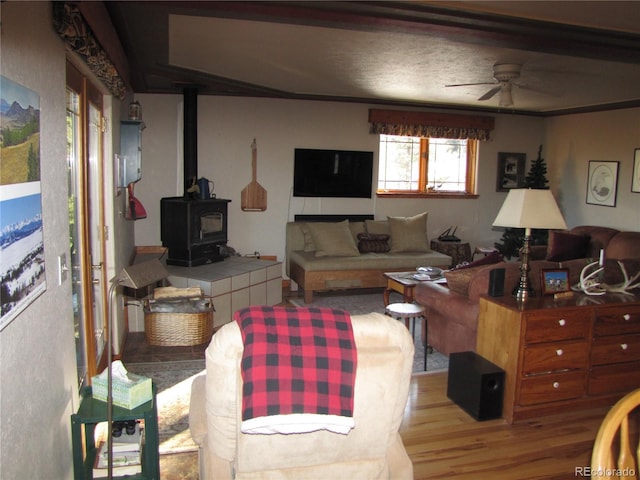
(504,73)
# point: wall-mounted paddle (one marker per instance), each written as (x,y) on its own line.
(253,197)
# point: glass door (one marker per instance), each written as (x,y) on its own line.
(86,221)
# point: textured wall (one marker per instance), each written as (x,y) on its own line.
(37,350)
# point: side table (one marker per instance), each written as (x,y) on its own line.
(401,282)
(92,412)
(458,251)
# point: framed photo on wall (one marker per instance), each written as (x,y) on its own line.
(602,183)
(554,280)
(635,179)
(510,171)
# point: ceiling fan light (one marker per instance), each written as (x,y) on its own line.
(506,99)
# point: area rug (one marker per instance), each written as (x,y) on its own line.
(360,303)
(173,383)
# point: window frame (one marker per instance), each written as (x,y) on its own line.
(423,192)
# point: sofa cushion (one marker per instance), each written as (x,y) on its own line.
(613,273)
(380,227)
(409,234)
(600,237)
(373,242)
(566,246)
(493,257)
(333,239)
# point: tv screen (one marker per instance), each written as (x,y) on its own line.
(332,173)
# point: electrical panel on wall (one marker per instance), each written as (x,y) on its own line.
(130,170)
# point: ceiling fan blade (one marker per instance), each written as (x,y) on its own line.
(490,93)
(470,84)
(539,90)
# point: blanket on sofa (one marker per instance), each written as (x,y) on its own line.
(298,369)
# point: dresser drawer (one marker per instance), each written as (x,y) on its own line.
(553,325)
(614,378)
(556,356)
(617,320)
(618,349)
(552,387)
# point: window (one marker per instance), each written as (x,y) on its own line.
(426,166)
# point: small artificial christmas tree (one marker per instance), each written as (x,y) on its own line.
(513,238)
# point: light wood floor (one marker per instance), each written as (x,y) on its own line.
(443,441)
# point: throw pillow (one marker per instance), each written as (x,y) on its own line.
(458,280)
(493,257)
(409,234)
(373,243)
(566,246)
(308,239)
(333,239)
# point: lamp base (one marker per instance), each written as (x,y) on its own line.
(523,291)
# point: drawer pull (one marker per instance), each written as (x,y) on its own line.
(627,317)
(559,352)
(556,384)
(562,322)
(624,346)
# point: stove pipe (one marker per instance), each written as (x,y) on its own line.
(190,146)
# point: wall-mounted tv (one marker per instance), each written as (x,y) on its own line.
(332,173)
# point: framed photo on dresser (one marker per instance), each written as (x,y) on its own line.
(554,280)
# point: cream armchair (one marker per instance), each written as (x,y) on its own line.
(372,450)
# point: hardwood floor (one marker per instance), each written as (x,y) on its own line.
(442,440)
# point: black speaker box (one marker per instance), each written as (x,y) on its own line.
(496,282)
(476,385)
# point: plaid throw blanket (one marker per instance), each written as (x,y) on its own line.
(298,369)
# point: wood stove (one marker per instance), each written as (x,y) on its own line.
(192,228)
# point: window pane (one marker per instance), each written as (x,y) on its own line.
(399,163)
(447,166)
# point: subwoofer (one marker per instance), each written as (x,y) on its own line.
(476,385)
(496,282)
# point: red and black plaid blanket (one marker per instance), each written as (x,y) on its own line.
(298,369)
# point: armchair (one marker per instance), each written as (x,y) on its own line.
(373,449)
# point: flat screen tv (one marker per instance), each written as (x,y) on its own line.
(332,173)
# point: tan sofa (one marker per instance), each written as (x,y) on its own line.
(452,309)
(372,450)
(317,268)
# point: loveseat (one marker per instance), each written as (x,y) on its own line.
(324,256)
(452,309)
(373,449)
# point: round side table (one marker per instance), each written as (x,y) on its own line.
(409,312)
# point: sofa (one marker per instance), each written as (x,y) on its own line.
(373,449)
(323,256)
(452,309)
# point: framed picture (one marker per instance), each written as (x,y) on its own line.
(22,265)
(510,171)
(635,179)
(554,280)
(602,183)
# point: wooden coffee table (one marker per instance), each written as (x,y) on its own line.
(401,282)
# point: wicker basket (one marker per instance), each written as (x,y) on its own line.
(178,329)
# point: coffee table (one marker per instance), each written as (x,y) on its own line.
(401,282)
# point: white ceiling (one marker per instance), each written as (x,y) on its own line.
(405,63)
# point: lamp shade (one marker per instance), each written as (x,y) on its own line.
(530,208)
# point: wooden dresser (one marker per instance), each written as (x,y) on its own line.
(559,355)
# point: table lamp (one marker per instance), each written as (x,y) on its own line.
(528,208)
(136,276)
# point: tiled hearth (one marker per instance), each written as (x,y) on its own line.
(234,283)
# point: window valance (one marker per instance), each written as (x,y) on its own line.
(436,125)
(73,29)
